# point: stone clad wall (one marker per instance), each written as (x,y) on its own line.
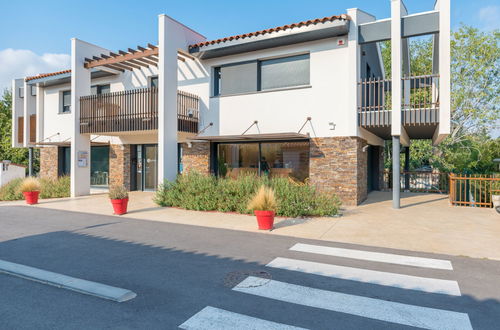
(196,157)
(339,165)
(119,165)
(49,162)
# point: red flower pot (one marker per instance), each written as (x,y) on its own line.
(265,219)
(31,197)
(120,205)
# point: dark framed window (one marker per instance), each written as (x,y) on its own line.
(153,82)
(275,159)
(66,102)
(259,75)
(100,89)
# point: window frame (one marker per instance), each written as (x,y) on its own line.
(216,80)
(61,109)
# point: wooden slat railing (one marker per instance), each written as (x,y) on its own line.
(134,110)
(420,101)
(416,181)
(473,190)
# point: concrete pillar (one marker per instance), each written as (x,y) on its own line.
(40,96)
(80,143)
(29,109)
(167,99)
(396,175)
(30,161)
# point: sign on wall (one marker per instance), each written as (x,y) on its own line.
(83,158)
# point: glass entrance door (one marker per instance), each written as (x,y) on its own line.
(144,162)
(150,155)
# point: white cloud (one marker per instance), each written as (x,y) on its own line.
(489,17)
(20,63)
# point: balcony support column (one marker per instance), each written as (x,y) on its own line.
(407,168)
(396,172)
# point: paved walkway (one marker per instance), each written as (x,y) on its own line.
(426,222)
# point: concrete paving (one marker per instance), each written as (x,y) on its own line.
(426,222)
(213,278)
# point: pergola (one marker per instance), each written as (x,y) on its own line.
(133,59)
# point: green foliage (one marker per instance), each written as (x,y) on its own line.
(49,189)
(475,102)
(16,155)
(199,192)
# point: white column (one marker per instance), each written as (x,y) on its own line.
(80,143)
(444,71)
(40,96)
(17,110)
(29,105)
(396,65)
(167,99)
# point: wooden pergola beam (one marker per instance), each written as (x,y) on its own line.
(121,58)
(148,61)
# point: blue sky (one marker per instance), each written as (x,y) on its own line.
(36,35)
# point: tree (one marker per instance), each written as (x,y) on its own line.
(15,155)
(475,107)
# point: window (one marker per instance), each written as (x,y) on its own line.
(33,90)
(284,72)
(66,102)
(261,75)
(275,159)
(21,92)
(153,82)
(100,89)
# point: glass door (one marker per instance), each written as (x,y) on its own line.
(150,161)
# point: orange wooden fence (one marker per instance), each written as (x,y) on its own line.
(473,190)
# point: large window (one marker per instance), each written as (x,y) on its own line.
(66,102)
(100,89)
(275,159)
(248,77)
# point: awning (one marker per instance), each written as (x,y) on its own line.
(253,137)
(67,144)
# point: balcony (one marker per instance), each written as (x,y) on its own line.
(134,110)
(419,110)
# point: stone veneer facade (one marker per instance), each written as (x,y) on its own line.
(196,157)
(49,163)
(119,165)
(339,165)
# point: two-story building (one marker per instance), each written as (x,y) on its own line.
(308,100)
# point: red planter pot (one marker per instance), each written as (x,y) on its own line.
(31,197)
(120,205)
(265,219)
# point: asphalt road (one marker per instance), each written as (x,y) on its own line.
(199,277)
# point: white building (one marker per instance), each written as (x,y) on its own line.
(308,100)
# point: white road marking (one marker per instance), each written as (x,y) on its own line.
(66,282)
(374,256)
(369,276)
(220,319)
(416,316)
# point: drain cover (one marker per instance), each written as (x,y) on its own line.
(234,278)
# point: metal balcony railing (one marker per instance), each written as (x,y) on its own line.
(134,110)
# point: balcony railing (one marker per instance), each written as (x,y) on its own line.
(420,101)
(134,110)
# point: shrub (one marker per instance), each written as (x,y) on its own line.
(29,184)
(118,192)
(262,200)
(55,188)
(49,188)
(10,190)
(199,192)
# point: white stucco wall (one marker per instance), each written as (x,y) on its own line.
(12,172)
(17,109)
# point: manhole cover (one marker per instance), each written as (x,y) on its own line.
(234,278)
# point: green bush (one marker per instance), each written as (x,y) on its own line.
(199,192)
(50,188)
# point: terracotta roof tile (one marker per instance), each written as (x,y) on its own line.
(43,75)
(271,30)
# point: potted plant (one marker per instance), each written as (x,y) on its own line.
(30,187)
(263,205)
(119,199)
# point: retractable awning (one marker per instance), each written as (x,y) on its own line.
(253,137)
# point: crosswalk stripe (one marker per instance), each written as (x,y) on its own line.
(369,276)
(411,315)
(374,256)
(220,319)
